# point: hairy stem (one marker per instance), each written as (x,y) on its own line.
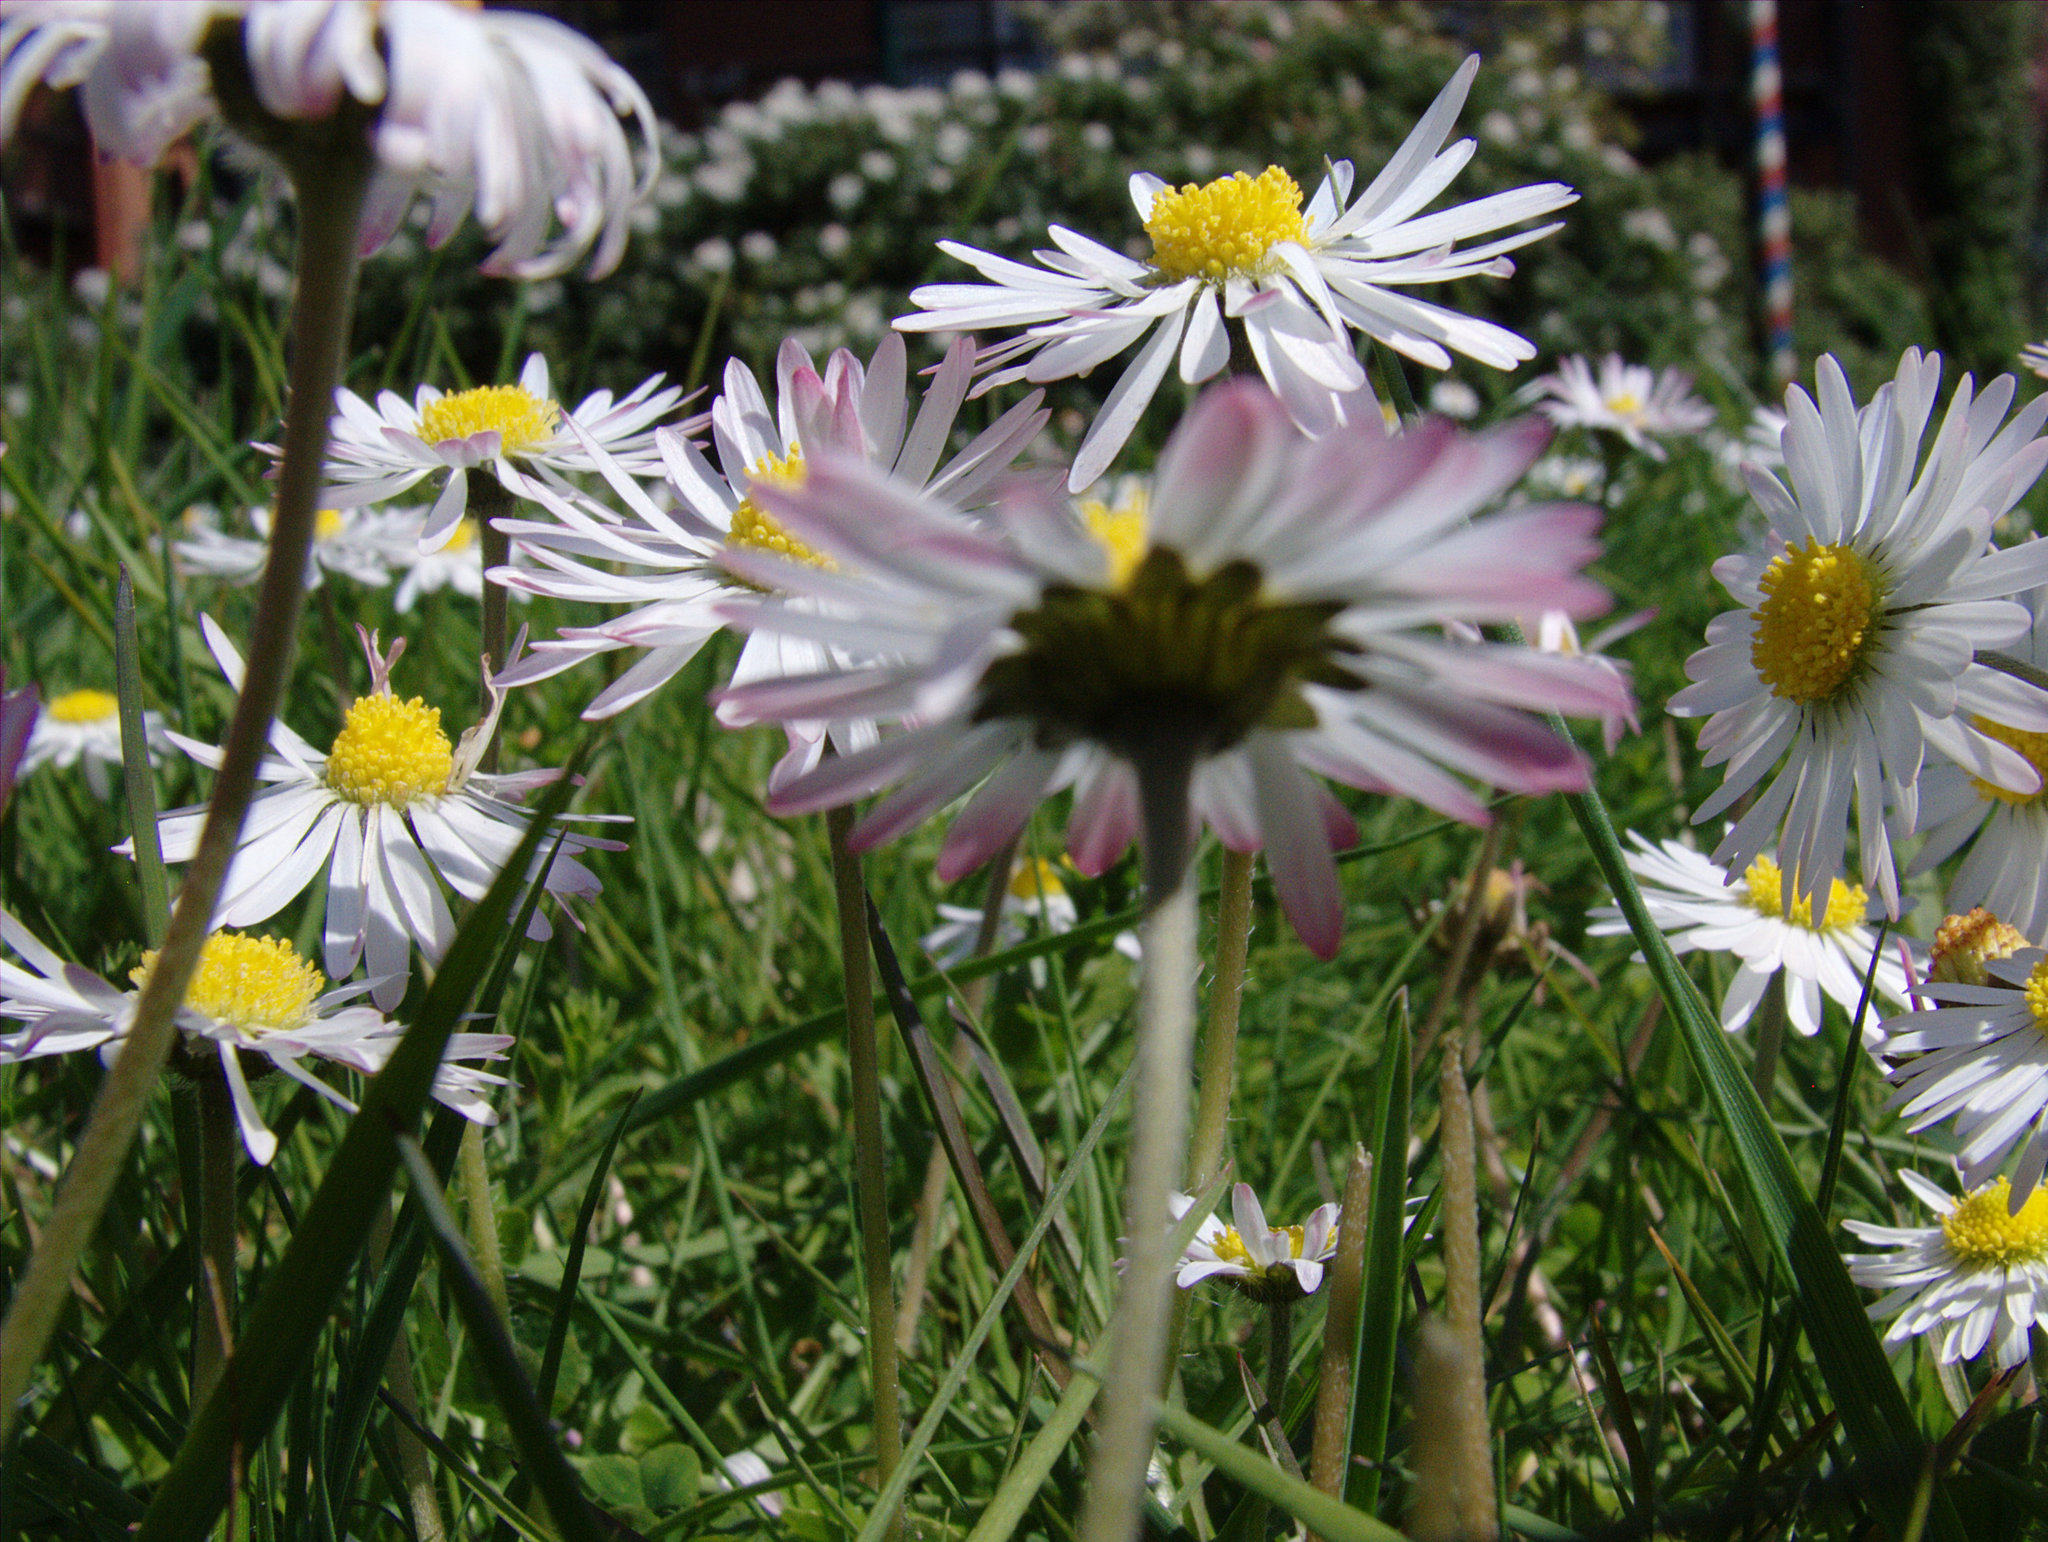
(1472,1446)
(1166,1020)
(481,1204)
(1219,1043)
(869,1157)
(1346,1286)
(330,188)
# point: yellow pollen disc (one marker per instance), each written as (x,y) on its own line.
(463,538)
(1982,1232)
(2035,994)
(1963,945)
(390,751)
(257,983)
(1820,612)
(754,529)
(1624,404)
(1846,903)
(522,419)
(1123,532)
(1224,228)
(328,524)
(1034,878)
(1231,1249)
(83,707)
(2033,746)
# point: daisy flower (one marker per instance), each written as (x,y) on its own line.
(674,577)
(249,996)
(1852,653)
(1979,1057)
(515,433)
(1034,896)
(513,116)
(1631,400)
(1273,616)
(357,544)
(389,805)
(2035,357)
(83,729)
(1978,1279)
(1266,1263)
(1242,248)
(2006,869)
(1693,902)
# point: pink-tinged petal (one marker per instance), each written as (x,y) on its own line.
(996,813)
(1105,818)
(1304,876)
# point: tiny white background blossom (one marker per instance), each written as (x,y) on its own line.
(1632,400)
(83,729)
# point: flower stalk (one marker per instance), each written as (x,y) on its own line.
(1331,1446)
(870,1159)
(1471,1447)
(1219,1044)
(329,165)
(1166,1016)
(219,1138)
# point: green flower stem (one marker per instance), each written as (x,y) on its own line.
(1219,1044)
(870,1160)
(488,501)
(1331,1446)
(1471,1454)
(1166,1021)
(219,1136)
(329,180)
(481,1204)
(2018,668)
(1769,1038)
(1273,1412)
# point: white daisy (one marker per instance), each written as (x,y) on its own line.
(83,729)
(515,433)
(357,544)
(1694,902)
(2007,866)
(1978,1279)
(1555,633)
(1764,438)
(1567,476)
(1631,400)
(674,578)
(1982,1056)
(1277,618)
(390,805)
(1853,653)
(1266,1263)
(249,995)
(511,115)
(1034,895)
(1242,249)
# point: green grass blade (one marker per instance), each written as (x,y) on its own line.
(1328,1518)
(572,1262)
(1875,1417)
(526,1422)
(287,1318)
(1380,1315)
(135,778)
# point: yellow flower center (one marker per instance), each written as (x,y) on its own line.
(1983,1233)
(2031,745)
(1122,532)
(1034,878)
(1846,903)
(754,529)
(257,983)
(1224,228)
(522,419)
(328,523)
(462,538)
(1230,1246)
(1625,404)
(83,707)
(2035,994)
(1964,944)
(390,751)
(1819,616)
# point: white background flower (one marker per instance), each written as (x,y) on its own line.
(1259,1258)
(1638,403)
(83,729)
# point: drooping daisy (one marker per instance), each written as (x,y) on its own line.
(1241,248)
(515,433)
(1266,1263)
(357,544)
(1981,1056)
(1275,618)
(1632,400)
(2007,832)
(1978,1280)
(674,578)
(390,805)
(1693,901)
(1852,654)
(83,729)
(249,995)
(514,116)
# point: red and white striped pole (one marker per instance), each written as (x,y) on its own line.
(1773,213)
